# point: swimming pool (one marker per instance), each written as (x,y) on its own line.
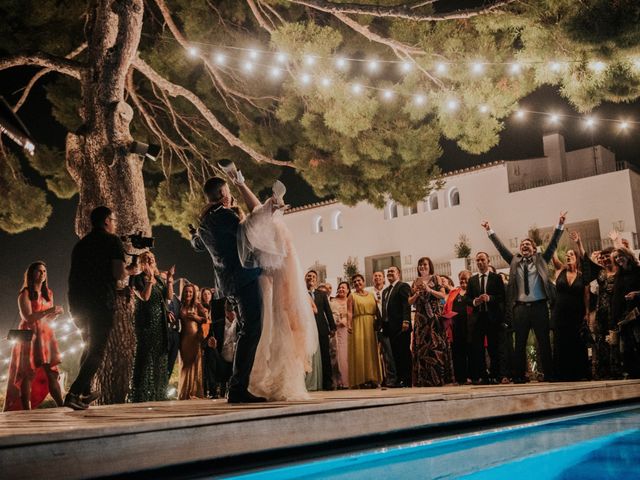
(602,444)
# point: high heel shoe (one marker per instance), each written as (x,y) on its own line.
(230,169)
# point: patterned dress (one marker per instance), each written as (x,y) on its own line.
(432,365)
(341,338)
(28,359)
(150,368)
(364,362)
(606,362)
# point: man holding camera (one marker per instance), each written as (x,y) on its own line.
(97,263)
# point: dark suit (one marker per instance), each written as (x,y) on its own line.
(395,311)
(530,315)
(487,319)
(218,235)
(326,325)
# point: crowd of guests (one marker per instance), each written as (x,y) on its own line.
(391,334)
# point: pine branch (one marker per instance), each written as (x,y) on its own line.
(65,66)
(174,90)
(42,73)
(404,11)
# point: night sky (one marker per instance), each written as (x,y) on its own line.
(53,244)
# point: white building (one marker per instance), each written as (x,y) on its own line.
(515,196)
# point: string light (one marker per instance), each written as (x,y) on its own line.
(624,125)
(520,114)
(247,67)
(477,68)
(220,59)
(193,52)
(555,66)
(419,99)
(276,72)
(590,122)
(305,78)
(554,118)
(325,82)
(309,60)
(441,68)
(406,67)
(373,66)
(483,109)
(281,57)
(253,55)
(387,94)
(341,63)
(598,66)
(515,68)
(452,104)
(356,88)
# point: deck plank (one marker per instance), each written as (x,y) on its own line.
(119,438)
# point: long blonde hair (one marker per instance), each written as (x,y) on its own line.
(144,258)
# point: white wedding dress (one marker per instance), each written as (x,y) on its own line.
(289,334)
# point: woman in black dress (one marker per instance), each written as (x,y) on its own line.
(626,298)
(150,368)
(571,362)
(455,313)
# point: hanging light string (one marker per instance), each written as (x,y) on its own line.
(249,62)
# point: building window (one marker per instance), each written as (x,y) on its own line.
(454,197)
(391,210)
(317,224)
(336,220)
(411,210)
(432,202)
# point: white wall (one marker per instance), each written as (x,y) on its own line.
(483,195)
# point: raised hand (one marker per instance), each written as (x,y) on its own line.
(563,218)
(485,225)
(614,235)
(171,272)
(575,236)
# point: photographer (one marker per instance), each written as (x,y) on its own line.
(97,263)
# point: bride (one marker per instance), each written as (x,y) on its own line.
(289,335)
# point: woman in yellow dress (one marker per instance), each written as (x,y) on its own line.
(363,318)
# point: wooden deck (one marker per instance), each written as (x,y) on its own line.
(60,443)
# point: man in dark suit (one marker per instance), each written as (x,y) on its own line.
(326,326)
(530,294)
(396,324)
(486,292)
(218,235)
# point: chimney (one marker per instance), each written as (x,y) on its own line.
(554,150)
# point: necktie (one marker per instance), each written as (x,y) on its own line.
(311,294)
(483,289)
(525,270)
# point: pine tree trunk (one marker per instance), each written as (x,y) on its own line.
(99,162)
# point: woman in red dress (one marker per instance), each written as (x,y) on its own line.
(33,372)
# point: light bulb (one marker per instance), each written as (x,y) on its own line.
(387,94)
(275,72)
(253,55)
(441,67)
(247,67)
(341,63)
(590,122)
(477,67)
(483,108)
(406,67)
(452,104)
(356,88)
(519,114)
(624,125)
(598,66)
(554,118)
(325,82)
(309,60)
(193,51)
(305,78)
(220,58)
(373,66)
(515,68)
(281,57)
(419,99)
(555,66)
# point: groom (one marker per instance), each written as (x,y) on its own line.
(218,235)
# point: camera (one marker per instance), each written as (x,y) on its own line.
(138,240)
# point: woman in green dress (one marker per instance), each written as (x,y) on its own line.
(150,368)
(362,319)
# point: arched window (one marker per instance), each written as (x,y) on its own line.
(317,224)
(391,210)
(432,202)
(336,220)
(454,197)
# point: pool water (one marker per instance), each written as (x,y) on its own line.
(600,445)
